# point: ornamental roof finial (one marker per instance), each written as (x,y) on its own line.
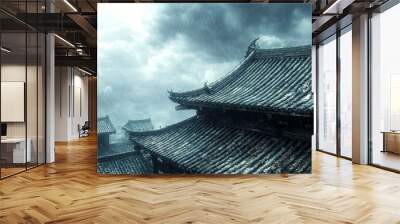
(207,88)
(252,46)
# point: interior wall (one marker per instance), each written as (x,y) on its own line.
(80,109)
(71,102)
(33,126)
(314,90)
(16,72)
(61,103)
(92,98)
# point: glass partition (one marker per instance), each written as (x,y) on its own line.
(346,93)
(41,91)
(31,100)
(327,95)
(22,78)
(385,89)
(14,153)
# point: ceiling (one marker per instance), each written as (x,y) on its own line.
(331,15)
(75,23)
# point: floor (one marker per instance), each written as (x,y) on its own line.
(70,191)
(5,172)
(10,171)
(387,159)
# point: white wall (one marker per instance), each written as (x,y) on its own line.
(9,73)
(70,84)
(62,81)
(314,90)
(33,126)
(81,89)
(16,72)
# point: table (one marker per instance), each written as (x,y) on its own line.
(19,155)
(391,141)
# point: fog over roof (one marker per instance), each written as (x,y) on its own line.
(146,49)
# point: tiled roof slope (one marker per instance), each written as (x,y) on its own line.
(199,146)
(126,163)
(138,125)
(274,80)
(105,126)
(116,148)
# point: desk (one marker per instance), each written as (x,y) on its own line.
(17,150)
(391,141)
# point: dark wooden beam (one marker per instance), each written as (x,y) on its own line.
(82,61)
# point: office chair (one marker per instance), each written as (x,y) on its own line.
(84,130)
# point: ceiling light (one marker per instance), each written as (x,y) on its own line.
(5,50)
(79,51)
(64,40)
(84,71)
(337,7)
(333,6)
(70,5)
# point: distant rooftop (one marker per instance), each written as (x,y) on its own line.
(116,148)
(124,163)
(138,125)
(105,126)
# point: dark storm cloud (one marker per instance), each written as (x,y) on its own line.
(147,49)
(222,31)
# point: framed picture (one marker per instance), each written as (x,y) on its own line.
(204,88)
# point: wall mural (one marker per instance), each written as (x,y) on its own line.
(204,88)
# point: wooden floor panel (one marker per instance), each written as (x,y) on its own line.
(70,191)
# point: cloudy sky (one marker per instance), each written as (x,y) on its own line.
(146,49)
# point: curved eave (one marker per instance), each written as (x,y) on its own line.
(214,105)
(192,93)
(204,89)
(139,121)
(147,121)
(287,93)
(284,52)
(130,131)
(125,128)
(256,53)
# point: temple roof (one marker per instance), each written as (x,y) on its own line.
(105,126)
(124,163)
(138,125)
(267,80)
(200,146)
(116,148)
